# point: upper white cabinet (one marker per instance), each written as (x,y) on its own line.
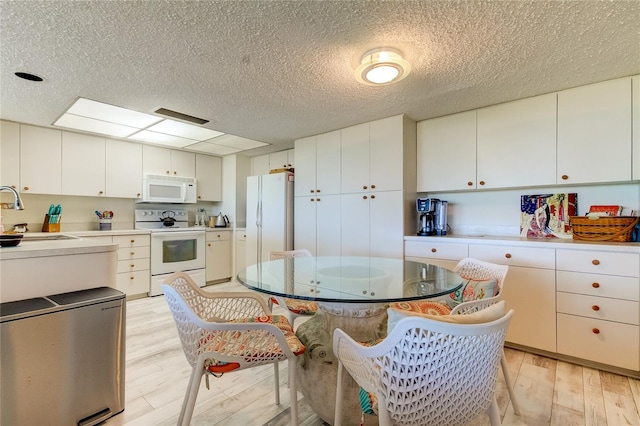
(209,177)
(10,154)
(446,153)
(260,165)
(318,158)
(83,165)
(355,159)
(263,164)
(163,161)
(40,160)
(123,171)
(516,143)
(594,133)
(635,85)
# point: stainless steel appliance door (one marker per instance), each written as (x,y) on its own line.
(177,251)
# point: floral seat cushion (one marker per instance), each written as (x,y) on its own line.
(297,306)
(218,367)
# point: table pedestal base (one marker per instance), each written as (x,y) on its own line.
(318,367)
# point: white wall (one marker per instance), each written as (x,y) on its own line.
(498,212)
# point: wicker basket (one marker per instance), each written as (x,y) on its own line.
(603,228)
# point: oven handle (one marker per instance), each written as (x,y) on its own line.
(180,234)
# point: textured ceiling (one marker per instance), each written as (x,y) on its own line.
(275,71)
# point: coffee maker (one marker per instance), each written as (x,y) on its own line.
(433,216)
(427,208)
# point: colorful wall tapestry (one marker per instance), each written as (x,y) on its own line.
(547,215)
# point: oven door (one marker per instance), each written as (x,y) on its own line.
(177,251)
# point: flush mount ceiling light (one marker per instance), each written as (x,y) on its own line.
(382,66)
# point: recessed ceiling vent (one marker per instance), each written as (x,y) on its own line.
(180,116)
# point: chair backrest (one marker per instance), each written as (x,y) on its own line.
(480,270)
(287,254)
(438,373)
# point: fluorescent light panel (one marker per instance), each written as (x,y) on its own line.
(176,128)
(212,148)
(161,138)
(72,121)
(113,114)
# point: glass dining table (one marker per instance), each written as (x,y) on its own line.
(352,293)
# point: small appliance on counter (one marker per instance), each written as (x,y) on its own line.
(222,221)
(433,216)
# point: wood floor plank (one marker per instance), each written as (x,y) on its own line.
(619,404)
(569,389)
(594,412)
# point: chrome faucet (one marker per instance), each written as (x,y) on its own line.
(17,201)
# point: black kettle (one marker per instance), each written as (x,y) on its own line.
(168,218)
(222,221)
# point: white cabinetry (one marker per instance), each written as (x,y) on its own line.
(594,133)
(83,165)
(441,254)
(516,143)
(10,154)
(318,160)
(598,306)
(317,226)
(218,255)
(209,177)
(529,290)
(241,247)
(123,169)
(163,161)
(446,153)
(263,164)
(40,160)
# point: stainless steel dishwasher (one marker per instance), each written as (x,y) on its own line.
(62,358)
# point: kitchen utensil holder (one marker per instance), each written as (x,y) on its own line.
(105,224)
(50,227)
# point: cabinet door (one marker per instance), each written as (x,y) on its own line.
(386,224)
(123,169)
(10,154)
(304,213)
(327,163)
(183,163)
(306,166)
(328,235)
(156,160)
(354,224)
(516,143)
(218,257)
(635,108)
(241,247)
(446,153)
(355,159)
(83,165)
(260,165)
(40,160)
(531,294)
(278,160)
(386,150)
(291,158)
(594,133)
(209,177)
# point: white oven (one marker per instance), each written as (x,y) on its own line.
(177,250)
(174,246)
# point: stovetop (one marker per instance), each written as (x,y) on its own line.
(152,219)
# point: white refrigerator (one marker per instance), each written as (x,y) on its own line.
(269,215)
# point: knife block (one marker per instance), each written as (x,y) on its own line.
(50,227)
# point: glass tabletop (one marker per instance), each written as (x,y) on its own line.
(350,279)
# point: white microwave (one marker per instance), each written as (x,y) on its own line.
(168,189)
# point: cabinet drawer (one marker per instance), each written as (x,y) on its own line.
(600,341)
(133,265)
(241,236)
(132,240)
(104,239)
(436,250)
(134,252)
(218,236)
(514,256)
(598,307)
(627,288)
(133,282)
(599,262)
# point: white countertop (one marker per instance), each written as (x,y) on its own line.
(630,247)
(53,247)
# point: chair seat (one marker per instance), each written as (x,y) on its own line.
(279,321)
(423,306)
(299,307)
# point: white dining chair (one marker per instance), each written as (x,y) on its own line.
(426,372)
(221,332)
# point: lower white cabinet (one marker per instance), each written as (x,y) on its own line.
(134,262)
(441,254)
(218,255)
(241,247)
(529,289)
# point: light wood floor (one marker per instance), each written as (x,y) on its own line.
(550,392)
